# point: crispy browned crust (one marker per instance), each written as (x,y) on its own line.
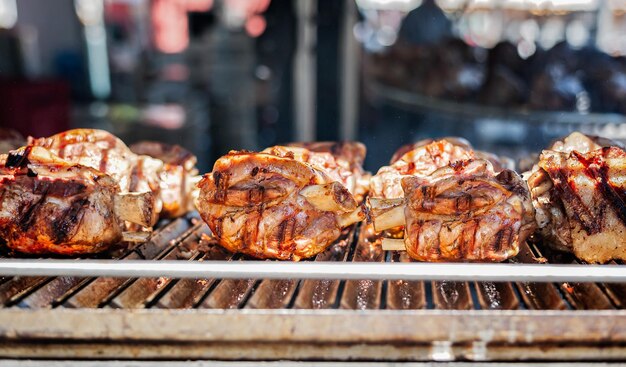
(252,204)
(171,154)
(499,163)
(421,161)
(176,176)
(581,201)
(465,212)
(48,205)
(168,171)
(458,207)
(343,161)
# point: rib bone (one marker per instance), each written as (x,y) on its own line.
(387,213)
(135,236)
(393,244)
(139,208)
(357,215)
(330,197)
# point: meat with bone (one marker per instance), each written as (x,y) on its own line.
(453,207)
(168,178)
(100,150)
(49,205)
(275,206)
(421,161)
(579,192)
(498,162)
(177,177)
(343,161)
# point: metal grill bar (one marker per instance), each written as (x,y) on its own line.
(316,270)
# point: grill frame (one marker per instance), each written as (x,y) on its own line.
(71,317)
(321,335)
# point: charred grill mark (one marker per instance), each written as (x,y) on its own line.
(428,194)
(579,211)
(608,191)
(221,184)
(105,160)
(64,189)
(502,239)
(458,166)
(67,223)
(27,218)
(285,230)
(285,234)
(19,158)
(135,177)
(256,194)
(466,244)
(219,223)
(510,180)
(597,169)
(463,202)
(251,229)
(183,190)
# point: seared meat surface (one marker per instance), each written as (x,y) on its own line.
(421,161)
(49,205)
(177,177)
(579,192)
(343,161)
(466,212)
(166,171)
(100,150)
(499,163)
(450,205)
(273,205)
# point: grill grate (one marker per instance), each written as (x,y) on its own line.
(182,239)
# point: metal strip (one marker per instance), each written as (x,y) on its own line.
(315,270)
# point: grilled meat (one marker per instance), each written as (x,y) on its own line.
(164,170)
(100,150)
(343,161)
(49,205)
(449,205)
(272,205)
(499,163)
(9,140)
(177,177)
(421,161)
(579,194)
(466,212)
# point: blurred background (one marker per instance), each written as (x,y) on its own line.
(216,75)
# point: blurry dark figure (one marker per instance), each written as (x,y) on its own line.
(427,24)
(504,85)
(556,84)
(11,61)
(274,53)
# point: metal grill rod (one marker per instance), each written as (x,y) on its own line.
(315,270)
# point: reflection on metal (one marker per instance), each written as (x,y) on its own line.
(91,15)
(349,74)
(8,13)
(316,270)
(304,75)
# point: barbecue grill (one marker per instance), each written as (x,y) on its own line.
(81,314)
